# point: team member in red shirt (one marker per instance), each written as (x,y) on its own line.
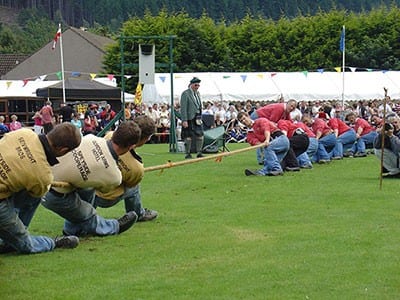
(275,144)
(325,136)
(299,142)
(273,112)
(345,137)
(365,135)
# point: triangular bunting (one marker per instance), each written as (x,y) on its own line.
(305,73)
(162,78)
(93,75)
(244,77)
(8,83)
(320,70)
(59,75)
(338,69)
(353,69)
(110,76)
(25,81)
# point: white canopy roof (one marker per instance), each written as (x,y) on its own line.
(309,86)
(240,86)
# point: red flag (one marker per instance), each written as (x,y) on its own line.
(58,35)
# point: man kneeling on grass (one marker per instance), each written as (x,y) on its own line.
(25,175)
(132,170)
(275,144)
(93,165)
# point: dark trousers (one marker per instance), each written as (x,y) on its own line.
(298,145)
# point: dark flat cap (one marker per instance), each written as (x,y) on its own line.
(195,80)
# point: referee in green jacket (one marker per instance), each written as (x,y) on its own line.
(192,125)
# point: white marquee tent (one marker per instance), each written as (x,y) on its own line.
(309,86)
(240,86)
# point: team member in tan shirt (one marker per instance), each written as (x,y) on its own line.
(93,165)
(132,170)
(25,175)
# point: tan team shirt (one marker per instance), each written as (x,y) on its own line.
(91,165)
(23,164)
(132,171)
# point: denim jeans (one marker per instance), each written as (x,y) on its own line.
(131,197)
(344,142)
(325,145)
(274,153)
(80,216)
(364,140)
(16,213)
(304,159)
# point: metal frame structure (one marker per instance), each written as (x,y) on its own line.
(170,65)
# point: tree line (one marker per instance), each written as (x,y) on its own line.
(256,44)
(112,14)
(249,44)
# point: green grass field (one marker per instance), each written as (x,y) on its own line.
(326,233)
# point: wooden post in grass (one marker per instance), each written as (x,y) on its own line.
(383,137)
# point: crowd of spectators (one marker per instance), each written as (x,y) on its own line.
(215,113)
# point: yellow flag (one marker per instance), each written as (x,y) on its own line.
(138,94)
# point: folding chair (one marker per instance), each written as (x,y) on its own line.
(214,140)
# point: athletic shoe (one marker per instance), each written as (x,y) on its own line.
(323,161)
(348,154)
(126,221)
(188,156)
(391,175)
(200,155)
(337,158)
(248,172)
(68,241)
(148,215)
(275,173)
(308,166)
(292,169)
(360,154)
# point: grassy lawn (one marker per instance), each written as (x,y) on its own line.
(326,233)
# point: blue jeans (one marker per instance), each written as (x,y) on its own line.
(344,142)
(325,145)
(362,142)
(16,213)
(80,216)
(304,159)
(131,197)
(274,153)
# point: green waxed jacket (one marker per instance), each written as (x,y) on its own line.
(190,106)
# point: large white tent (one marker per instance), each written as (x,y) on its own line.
(269,86)
(240,86)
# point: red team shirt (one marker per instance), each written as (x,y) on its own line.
(257,133)
(338,124)
(273,112)
(366,127)
(319,125)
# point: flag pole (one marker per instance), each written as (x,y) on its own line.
(62,63)
(343,48)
